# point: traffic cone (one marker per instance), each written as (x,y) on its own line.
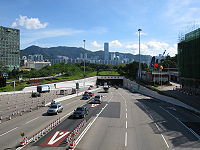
(72,145)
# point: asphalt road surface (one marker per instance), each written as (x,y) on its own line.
(125,121)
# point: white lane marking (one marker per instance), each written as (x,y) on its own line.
(192,131)
(126,124)
(165,140)
(89,125)
(155,124)
(31,120)
(126,109)
(126,116)
(125,139)
(162,135)
(8,131)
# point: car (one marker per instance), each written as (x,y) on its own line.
(91,94)
(85,96)
(55,109)
(35,94)
(97,99)
(80,112)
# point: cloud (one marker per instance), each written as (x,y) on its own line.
(30,37)
(29,23)
(152,48)
(95,44)
(182,11)
(115,43)
(157,45)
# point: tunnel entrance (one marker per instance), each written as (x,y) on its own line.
(110,80)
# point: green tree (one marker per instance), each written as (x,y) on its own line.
(169,62)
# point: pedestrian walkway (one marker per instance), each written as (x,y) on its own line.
(131,85)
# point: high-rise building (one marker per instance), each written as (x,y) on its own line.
(106,51)
(9,47)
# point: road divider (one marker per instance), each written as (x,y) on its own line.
(41,133)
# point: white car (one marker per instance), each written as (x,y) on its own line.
(55,109)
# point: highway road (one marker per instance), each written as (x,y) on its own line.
(124,121)
(135,122)
(32,122)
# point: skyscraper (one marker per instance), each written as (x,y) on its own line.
(9,47)
(106,51)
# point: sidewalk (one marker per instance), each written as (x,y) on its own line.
(131,85)
(190,100)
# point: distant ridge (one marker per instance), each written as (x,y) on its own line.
(74,52)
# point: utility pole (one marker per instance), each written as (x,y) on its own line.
(84,64)
(139,70)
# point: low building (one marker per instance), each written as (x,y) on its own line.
(37,65)
(155,77)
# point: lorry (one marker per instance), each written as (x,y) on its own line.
(43,88)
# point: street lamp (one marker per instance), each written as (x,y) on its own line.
(139,70)
(84,63)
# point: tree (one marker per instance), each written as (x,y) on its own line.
(169,62)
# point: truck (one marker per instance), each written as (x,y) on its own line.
(43,88)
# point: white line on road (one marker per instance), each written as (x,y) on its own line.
(165,140)
(8,131)
(126,124)
(89,125)
(126,116)
(192,131)
(31,120)
(125,139)
(162,135)
(126,109)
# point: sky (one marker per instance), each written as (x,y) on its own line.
(50,23)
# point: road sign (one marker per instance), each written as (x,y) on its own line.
(22,134)
(56,138)
(95,105)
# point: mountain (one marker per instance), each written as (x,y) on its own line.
(75,52)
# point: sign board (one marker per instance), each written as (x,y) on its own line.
(22,134)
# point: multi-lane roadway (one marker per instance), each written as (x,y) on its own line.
(123,121)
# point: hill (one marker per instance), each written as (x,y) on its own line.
(75,52)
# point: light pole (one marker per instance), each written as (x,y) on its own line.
(84,64)
(139,70)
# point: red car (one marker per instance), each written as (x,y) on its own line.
(89,93)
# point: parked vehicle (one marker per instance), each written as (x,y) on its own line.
(35,94)
(80,112)
(43,88)
(55,109)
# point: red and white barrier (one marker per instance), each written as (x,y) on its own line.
(41,133)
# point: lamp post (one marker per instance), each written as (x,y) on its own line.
(139,70)
(84,64)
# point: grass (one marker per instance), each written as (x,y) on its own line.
(21,85)
(109,73)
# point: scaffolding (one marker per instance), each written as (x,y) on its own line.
(189,59)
